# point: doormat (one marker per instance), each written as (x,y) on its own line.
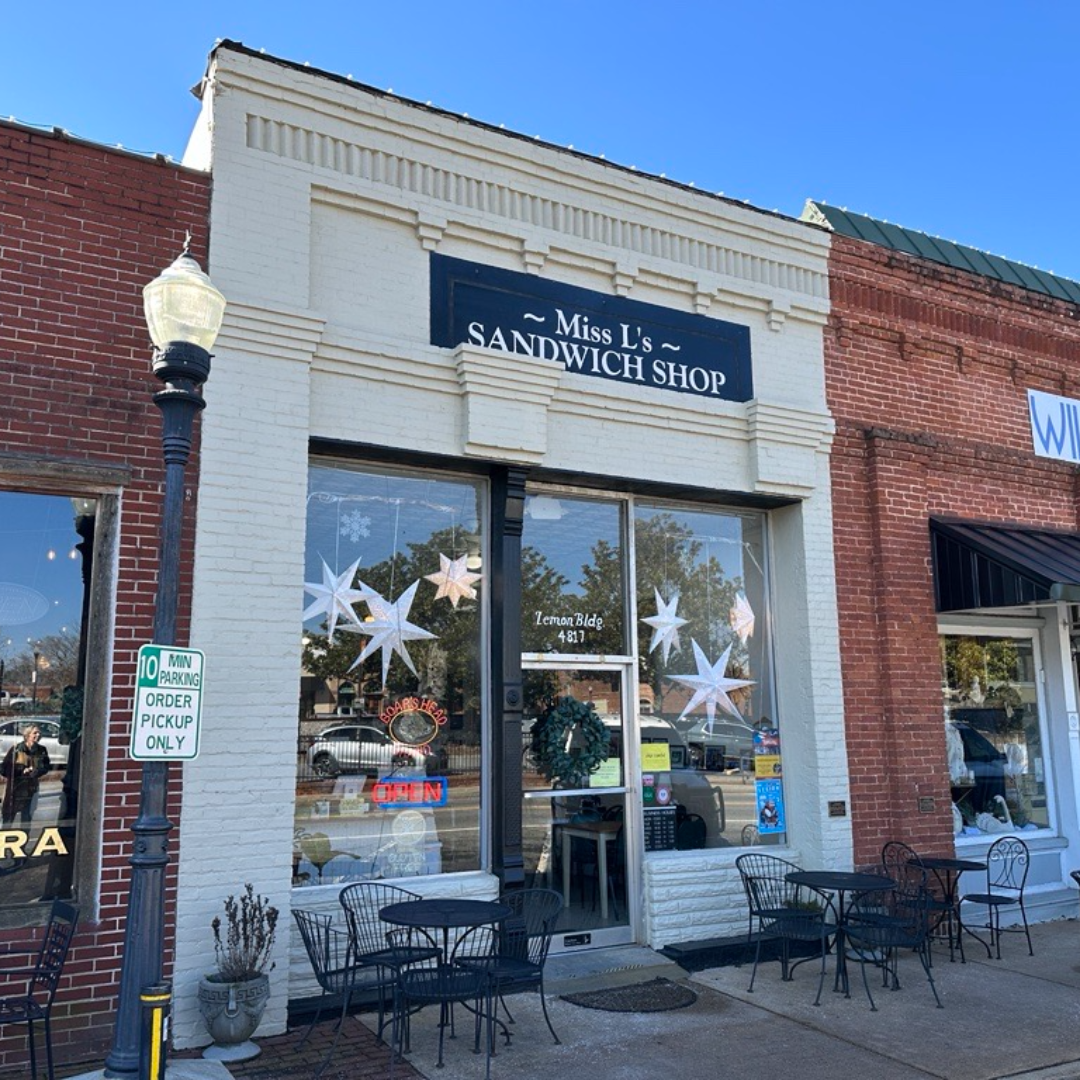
(659,995)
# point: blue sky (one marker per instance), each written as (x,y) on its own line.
(957,118)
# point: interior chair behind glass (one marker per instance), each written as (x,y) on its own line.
(881,924)
(785,912)
(1007,864)
(37,983)
(362,903)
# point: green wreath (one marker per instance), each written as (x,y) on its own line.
(552,734)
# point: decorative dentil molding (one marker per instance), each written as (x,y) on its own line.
(499,199)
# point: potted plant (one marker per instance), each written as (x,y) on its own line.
(233,998)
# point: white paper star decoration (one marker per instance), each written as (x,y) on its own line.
(665,624)
(710,686)
(742,617)
(454,579)
(390,629)
(335,596)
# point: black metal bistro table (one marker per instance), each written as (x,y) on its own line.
(445,913)
(446,984)
(840,882)
(947,872)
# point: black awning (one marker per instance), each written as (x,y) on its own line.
(987,566)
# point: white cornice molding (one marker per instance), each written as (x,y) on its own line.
(400,147)
(278,332)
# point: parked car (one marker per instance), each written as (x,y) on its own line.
(351,748)
(11,734)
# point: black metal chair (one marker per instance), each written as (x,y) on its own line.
(522,942)
(362,903)
(785,912)
(879,924)
(39,982)
(464,979)
(1007,864)
(897,858)
(330,953)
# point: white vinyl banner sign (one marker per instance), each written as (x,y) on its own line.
(1055,426)
(168,704)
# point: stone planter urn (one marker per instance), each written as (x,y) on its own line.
(232,1011)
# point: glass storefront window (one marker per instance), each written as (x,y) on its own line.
(573,585)
(389,736)
(41,618)
(993,734)
(704,671)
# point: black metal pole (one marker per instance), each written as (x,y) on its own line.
(182,368)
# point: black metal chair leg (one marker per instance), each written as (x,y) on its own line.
(543,1005)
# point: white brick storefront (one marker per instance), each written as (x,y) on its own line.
(327,199)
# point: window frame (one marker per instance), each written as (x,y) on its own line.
(989,629)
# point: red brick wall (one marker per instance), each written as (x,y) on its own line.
(927,372)
(82,229)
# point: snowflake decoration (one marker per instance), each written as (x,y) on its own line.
(355,525)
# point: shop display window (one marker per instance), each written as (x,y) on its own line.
(389,738)
(45,547)
(993,735)
(705,687)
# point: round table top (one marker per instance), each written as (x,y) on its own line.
(445,912)
(839,880)
(943,862)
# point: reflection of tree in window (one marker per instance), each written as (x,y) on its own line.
(671,557)
(447,667)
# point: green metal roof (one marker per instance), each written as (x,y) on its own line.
(958,256)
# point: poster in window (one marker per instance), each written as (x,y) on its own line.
(770,806)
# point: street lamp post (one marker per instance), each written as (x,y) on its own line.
(183,313)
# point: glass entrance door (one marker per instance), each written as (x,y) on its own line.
(575,825)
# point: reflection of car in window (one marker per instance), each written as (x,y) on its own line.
(364,748)
(986,763)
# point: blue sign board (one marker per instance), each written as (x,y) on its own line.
(770,806)
(588,332)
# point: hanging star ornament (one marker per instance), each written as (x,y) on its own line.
(390,629)
(454,579)
(335,596)
(710,686)
(742,617)
(665,624)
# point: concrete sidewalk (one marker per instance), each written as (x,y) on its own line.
(1017,1017)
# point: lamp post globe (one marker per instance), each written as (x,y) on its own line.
(184,312)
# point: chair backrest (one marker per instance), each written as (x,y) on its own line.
(361,903)
(750,836)
(55,942)
(690,833)
(527,933)
(763,878)
(896,855)
(327,948)
(899,915)
(1007,864)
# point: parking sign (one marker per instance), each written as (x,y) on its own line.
(168,704)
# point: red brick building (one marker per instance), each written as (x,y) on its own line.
(957,545)
(82,230)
